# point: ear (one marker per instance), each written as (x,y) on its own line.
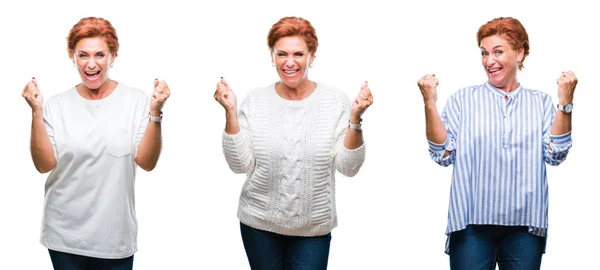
(272,56)
(520,55)
(312,58)
(112,59)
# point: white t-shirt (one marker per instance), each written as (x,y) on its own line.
(89,206)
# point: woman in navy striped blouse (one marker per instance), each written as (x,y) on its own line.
(498,135)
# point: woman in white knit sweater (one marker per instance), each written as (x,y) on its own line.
(289,138)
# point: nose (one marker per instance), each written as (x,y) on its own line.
(490,60)
(91,63)
(290,62)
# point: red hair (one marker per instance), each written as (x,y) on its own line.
(293,26)
(510,29)
(93,27)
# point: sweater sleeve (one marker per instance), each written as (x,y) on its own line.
(347,161)
(238,148)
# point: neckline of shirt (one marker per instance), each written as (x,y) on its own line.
(501,93)
(294,102)
(98,101)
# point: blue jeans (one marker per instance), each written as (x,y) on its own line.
(482,246)
(271,251)
(68,261)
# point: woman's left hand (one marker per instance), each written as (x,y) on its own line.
(566,87)
(361,103)
(159,97)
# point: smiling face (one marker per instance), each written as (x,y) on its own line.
(292,58)
(93,59)
(500,62)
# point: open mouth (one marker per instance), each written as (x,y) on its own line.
(92,76)
(291,72)
(494,71)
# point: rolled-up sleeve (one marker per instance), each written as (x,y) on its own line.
(556,148)
(450,119)
(437,151)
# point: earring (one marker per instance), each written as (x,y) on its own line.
(310,65)
(272,63)
(111,65)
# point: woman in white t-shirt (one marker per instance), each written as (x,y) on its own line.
(91,137)
(290,138)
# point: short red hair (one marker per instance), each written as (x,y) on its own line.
(510,29)
(293,26)
(93,27)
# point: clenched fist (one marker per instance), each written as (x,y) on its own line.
(32,95)
(566,87)
(159,96)
(361,103)
(427,84)
(225,96)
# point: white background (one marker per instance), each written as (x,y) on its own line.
(392,215)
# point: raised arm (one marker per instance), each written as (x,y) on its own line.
(236,139)
(350,155)
(440,147)
(151,144)
(558,142)
(42,151)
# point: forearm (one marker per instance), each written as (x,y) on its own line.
(434,128)
(232,126)
(42,151)
(562,123)
(354,137)
(150,146)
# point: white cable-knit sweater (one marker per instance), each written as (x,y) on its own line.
(290,150)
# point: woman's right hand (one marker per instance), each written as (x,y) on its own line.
(225,96)
(32,95)
(427,84)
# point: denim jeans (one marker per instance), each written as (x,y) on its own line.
(272,251)
(482,246)
(68,261)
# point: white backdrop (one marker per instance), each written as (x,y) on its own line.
(392,215)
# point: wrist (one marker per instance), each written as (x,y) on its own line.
(231,112)
(155,113)
(37,113)
(564,101)
(155,118)
(430,102)
(355,119)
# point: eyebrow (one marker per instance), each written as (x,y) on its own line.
(495,47)
(82,51)
(302,51)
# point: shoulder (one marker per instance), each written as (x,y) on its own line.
(62,97)
(466,92)
(332,93)
(259,92)
(469,90)
(131,92)
(536,93)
